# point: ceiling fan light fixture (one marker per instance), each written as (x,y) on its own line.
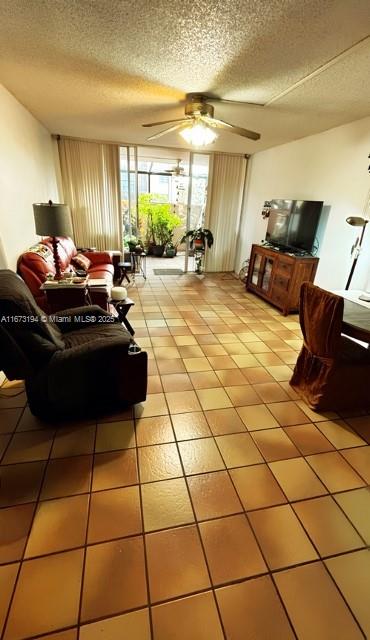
(198,134)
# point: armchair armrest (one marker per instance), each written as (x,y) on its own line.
(92,351)
(99,257)
(72,319)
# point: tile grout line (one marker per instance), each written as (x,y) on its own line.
(320,557)
(80,600)
(200,538)
(269,571)
(22,559)
(143,534)
(319,453)
(341,594)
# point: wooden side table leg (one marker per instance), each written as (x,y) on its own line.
(128,326)
(124,274)
(122,313)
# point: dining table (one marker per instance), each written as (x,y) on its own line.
(356,320)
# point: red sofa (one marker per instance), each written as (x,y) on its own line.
(33,268)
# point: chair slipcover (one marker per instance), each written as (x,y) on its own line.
(332,371)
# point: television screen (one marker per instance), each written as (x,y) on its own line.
(293,224)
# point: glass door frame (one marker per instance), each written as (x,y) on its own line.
(188,209)
(190,203)
(133,198)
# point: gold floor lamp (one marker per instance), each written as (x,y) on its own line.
(356,221)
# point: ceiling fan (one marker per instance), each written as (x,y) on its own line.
(198,124)
(176,170)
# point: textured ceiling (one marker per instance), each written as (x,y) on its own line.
(100,68)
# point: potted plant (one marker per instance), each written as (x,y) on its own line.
(132,242)
(171,248)
(160,221)
(198,240)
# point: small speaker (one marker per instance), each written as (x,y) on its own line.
(118,293)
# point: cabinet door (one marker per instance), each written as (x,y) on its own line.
(267,274)
(256,267)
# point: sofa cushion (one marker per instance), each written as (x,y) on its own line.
(102,271)
(81,262)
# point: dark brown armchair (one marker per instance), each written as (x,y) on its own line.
(332,371)
(82,362)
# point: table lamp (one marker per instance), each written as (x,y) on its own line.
(53,220)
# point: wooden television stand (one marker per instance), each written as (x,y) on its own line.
(276,276)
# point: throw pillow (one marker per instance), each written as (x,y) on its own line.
(81,262)
(42,250)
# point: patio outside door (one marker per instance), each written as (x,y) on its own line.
(152,171)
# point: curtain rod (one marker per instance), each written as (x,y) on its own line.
(57,136)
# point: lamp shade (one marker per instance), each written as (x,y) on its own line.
(52,219)
(356,221)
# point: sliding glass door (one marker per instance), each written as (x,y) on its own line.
(171,179)
(129,190)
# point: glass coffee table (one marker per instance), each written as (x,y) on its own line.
(122,307)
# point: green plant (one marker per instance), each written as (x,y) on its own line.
(132,242)
(200,235)
(131,239)
(198,239)
(160,221)
(170,243)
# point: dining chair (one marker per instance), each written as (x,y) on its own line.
(332,371)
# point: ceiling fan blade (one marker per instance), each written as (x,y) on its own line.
(168,130)
(213,98)
(154,124)
(240,131)
(225,101)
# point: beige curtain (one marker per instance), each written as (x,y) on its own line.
(91,185)
(225,195)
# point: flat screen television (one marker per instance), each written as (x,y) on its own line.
(292,224)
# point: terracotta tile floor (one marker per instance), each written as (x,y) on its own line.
(221,508)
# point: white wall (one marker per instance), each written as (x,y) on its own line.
(330,166)
(27,175)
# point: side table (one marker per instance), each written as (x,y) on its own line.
(139,263)
(124,267)
(65,296)
(122,307)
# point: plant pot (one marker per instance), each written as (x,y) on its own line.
(138,249)
(198,245)
(131,247)
(170,253)
(158,250)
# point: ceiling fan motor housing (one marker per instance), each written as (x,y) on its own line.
(197,107)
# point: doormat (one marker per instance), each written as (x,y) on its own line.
(168,272)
